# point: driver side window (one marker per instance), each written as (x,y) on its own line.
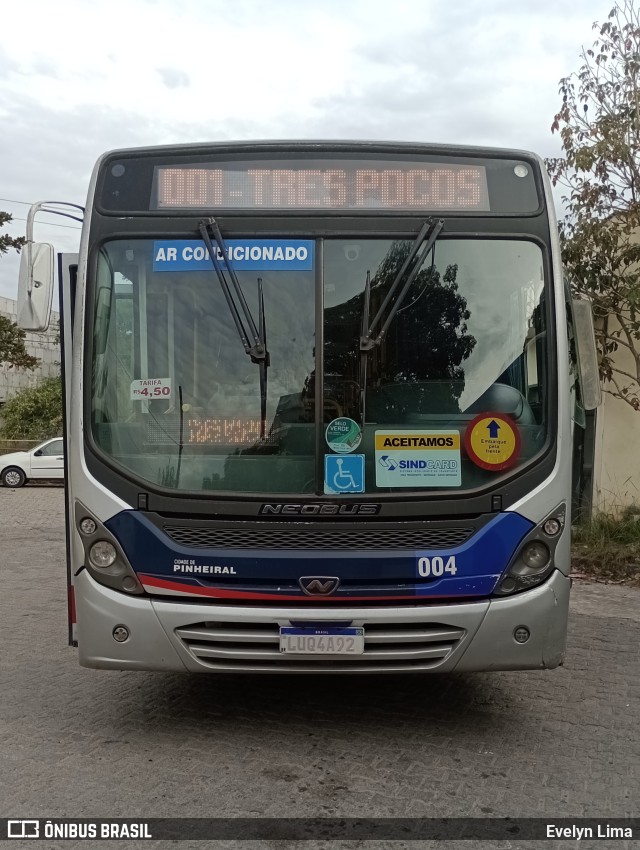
(54,448)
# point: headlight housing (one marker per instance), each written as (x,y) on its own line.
(104,558)
(534,560)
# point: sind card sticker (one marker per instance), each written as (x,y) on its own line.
(418,459)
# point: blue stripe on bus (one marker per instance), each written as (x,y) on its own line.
(479,562)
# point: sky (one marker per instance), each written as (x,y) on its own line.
(80,77)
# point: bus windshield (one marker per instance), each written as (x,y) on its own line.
(176,403)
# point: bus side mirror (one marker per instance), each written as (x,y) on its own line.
(35,286)
(587,353)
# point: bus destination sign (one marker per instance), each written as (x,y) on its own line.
(322,185)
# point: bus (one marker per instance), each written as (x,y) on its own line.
(320,400)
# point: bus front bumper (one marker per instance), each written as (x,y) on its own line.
(183,636)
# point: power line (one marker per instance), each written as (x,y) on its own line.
(48,224)
(27,204)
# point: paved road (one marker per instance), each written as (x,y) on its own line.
(84,743)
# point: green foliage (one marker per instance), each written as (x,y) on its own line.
(599,125)
(12,348)
(6,241)
(604,527)
(608,547)
(34,413)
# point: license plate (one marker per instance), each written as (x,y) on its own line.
(318,641)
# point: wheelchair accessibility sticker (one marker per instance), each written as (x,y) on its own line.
(343,474)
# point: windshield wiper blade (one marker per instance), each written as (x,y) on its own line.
(256,347)
(264,364)
(424,242)
(413,263)
(258,350)
(363,352)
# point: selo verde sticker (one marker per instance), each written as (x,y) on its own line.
(343,435)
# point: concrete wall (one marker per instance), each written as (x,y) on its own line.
(42,345)
(617,449)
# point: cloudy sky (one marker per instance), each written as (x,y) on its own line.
(78,77)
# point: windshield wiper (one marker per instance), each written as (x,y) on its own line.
(414,262)
(255,341)
(424,242)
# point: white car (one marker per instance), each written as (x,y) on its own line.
(45,461)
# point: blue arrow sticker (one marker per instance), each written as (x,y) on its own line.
(493,429)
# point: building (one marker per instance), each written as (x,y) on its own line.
(45,346)
(616,461)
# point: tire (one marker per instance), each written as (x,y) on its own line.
(13,477)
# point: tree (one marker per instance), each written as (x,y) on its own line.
(433,317)
(34,413)
(7,241)
(599,125)
(12,347)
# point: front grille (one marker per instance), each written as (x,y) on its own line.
(289,536)
(249,646)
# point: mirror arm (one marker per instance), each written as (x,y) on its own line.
(42,206)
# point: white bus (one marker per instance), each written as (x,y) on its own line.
(320,401)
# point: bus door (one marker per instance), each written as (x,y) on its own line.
(67,279)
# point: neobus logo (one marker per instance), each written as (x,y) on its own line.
(289,509)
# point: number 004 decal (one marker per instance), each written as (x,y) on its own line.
(436,566)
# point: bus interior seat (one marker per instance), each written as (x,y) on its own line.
(503,398)
(413,401)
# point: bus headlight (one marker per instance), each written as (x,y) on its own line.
(535,555)
(533,562)
(103,554)
(104,557)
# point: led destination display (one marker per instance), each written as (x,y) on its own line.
(323,184)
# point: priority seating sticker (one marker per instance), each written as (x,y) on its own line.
(492,441)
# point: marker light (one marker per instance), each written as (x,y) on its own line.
(88,526)
(535,555)
(103,554)
(120,634)
(552,527)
